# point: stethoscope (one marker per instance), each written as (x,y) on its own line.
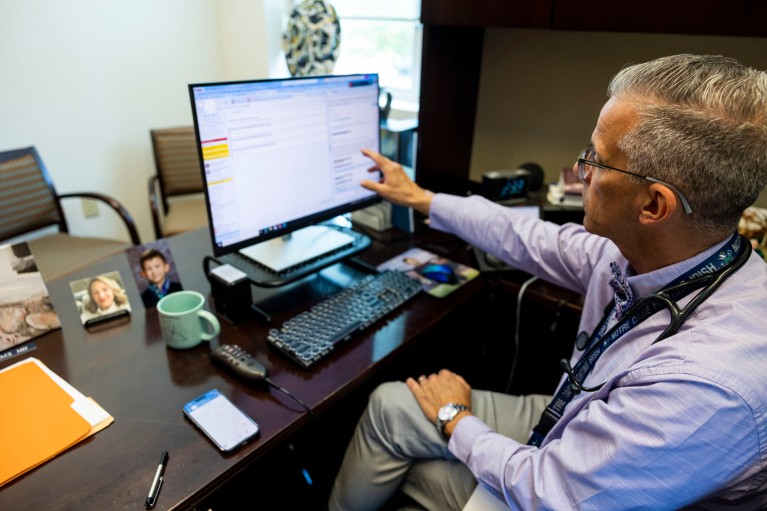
(660,300)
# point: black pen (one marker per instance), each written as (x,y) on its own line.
(154,490)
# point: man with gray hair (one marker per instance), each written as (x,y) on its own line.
(663,404)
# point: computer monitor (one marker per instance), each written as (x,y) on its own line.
(279,157)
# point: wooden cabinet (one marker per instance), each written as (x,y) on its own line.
(487,13)
(450,69)
(453,36)
(708,17)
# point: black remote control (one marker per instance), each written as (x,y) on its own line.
(239,361)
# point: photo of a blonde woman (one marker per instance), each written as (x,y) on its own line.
(100,297)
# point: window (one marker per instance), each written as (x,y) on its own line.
(383,36)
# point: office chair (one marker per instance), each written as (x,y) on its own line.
(29,203)
(175,193)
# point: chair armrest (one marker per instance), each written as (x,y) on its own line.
(115,205)
(154,205)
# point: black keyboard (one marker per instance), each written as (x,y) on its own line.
(311,335)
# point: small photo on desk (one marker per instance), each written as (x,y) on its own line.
(154,271)
(26,310)
(100,297)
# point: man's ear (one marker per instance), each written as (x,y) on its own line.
(658,204)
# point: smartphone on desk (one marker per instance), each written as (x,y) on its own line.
(223,423)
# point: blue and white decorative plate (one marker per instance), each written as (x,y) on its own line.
(312,40)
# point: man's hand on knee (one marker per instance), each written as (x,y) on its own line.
(437,390)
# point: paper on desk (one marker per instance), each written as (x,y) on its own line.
(85,406)
(41,415)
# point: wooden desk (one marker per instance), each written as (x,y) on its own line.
(129,371)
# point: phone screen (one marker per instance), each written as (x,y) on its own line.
(225,424)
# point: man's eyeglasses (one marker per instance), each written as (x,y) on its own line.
(586,163)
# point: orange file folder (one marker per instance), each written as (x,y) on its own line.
(37,419)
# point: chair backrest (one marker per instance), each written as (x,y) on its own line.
(177,162)
(28,200)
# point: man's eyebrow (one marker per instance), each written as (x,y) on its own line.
(597,154)
(593,149)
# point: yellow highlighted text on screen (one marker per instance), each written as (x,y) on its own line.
(212,152)
(222,181)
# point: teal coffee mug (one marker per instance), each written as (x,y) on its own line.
(184,322)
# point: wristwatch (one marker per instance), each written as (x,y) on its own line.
(447,413)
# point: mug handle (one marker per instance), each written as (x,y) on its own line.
(212,321)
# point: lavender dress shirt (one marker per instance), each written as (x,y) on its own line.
(678,424)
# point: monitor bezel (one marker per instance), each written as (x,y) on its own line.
(299,223)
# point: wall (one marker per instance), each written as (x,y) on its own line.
(541,91)
(250,32)
(85,81)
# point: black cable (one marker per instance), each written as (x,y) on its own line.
(325,440)
(295,398)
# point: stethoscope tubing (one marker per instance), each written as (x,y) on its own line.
(711,283)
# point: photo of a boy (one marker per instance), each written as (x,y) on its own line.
(155,268)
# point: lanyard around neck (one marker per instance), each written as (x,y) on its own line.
(709,274)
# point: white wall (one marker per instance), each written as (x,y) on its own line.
(541,90)
(85,81)
(251,38)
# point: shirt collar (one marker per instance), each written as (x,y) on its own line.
(647,283)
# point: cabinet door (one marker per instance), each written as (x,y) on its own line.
(487,13)
(711,17)
(449,85)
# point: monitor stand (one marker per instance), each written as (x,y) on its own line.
(280,254)
(282,260)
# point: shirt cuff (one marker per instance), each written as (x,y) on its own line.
(442,210)
(467,429)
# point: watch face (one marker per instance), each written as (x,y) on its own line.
(446,412)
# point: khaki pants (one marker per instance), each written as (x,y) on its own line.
(395,447)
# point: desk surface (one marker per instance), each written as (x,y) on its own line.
(129,371)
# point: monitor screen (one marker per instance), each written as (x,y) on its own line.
(279,155)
